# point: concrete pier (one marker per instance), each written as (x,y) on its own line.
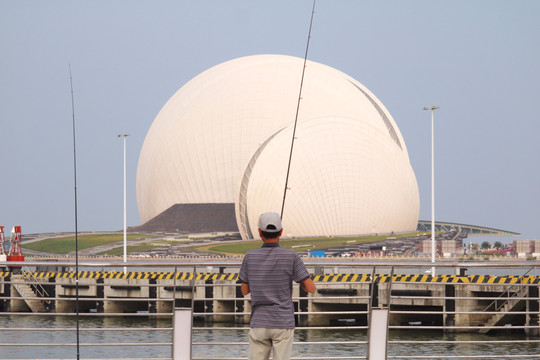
(456,303)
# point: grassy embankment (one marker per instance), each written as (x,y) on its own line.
(64,245)
(145,246)
(240,247)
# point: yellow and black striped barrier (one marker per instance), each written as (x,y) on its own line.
(135,275)
(471,279)
(382,278)
(342,278)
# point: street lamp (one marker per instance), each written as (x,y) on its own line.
(432,108)
(125,218)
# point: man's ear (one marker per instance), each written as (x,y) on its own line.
(260,233)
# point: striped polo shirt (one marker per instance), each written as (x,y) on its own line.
(270,271)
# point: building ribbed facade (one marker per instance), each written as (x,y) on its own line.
(225,137)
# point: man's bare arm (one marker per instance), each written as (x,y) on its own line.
(308,285)
(245,288)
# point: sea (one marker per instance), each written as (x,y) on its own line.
(151,343)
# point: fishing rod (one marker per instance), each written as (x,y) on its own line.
(297,110)
(76,227)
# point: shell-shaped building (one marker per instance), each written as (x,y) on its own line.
(225,138)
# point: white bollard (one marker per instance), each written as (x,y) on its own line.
(182,326)
(378,334)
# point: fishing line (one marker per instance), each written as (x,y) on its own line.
(297,110)
(76,227)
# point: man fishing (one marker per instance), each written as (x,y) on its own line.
(267,273)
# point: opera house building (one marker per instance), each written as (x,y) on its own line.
(217,154)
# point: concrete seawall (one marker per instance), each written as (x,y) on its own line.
(457,303)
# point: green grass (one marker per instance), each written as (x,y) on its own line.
(130,249)
(64,245)
(234,248)
(145,246)
(241,247)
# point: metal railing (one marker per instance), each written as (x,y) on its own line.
(37,287)
(497,304)
(142,333)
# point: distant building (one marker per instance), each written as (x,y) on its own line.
(217,154)
(535,248)
(523,248)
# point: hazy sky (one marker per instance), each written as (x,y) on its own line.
(477,60)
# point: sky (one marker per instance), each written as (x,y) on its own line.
(477,60)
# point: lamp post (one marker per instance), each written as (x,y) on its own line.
(432,108)
(125,218)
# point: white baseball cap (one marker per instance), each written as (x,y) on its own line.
(270,222)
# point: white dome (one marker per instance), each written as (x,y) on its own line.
(198,148)
(347,177)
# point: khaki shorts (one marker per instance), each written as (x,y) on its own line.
(262,340)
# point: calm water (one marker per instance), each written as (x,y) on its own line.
(329,351)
